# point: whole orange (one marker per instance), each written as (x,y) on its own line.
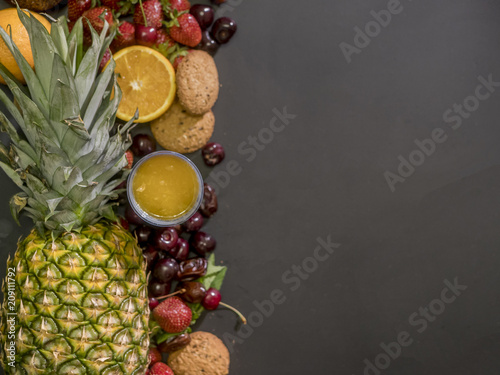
(20,36)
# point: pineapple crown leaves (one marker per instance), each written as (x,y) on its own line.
(66,154)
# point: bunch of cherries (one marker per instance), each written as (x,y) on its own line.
(221,32)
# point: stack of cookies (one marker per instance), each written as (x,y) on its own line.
(189,123)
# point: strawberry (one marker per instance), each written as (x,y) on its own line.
(130,158)
(162,37)
(180,5)
(76,8)
(125,36)
(104,61)
(173,315)
(161,368)
(112,4)
(152,11)
(186,30)
(94,16)
(154,355)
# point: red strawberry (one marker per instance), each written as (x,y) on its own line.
(152,11)
(130,158)
(173,315)
(104,61)
(180,5)
(160,368)
(111,4)
(77,7)
(94,16)
(162,37)
(125,36)
(188,32)
(154,355)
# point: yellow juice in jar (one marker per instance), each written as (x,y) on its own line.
(165,186)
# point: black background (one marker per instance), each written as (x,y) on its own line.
(324,176)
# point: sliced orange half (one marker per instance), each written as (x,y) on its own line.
(147,80)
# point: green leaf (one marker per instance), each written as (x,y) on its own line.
(59,33)
(22,159)
(101,85)
(13,175)
(215,275)
(75,46)
(14,79)
(43,50)
(7,127)
(89,66)
(63,96)
(17,204)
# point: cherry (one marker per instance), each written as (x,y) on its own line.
(153,302)
(158,288)
(194,291)
(204,15)
(145,35)
(132,217)
(208,44)
(166,269)
(213,154)
(194,223)
(143,234)
(166,239)
(203,243)
(223,29)
(209,204)
(151,255)
(212,300)
(143,144)
(181,251)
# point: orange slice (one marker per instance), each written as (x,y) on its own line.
(147,80)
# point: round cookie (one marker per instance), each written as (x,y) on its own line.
(206,354)
(178,130)
(197,82)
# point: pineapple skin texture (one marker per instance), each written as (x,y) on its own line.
(81,304)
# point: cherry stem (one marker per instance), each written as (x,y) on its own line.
(243,319)
(143,14)
(180,291)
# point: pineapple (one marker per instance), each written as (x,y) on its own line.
(75,299)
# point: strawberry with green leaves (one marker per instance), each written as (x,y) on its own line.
(185,30)
(163,39)
(125,36)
